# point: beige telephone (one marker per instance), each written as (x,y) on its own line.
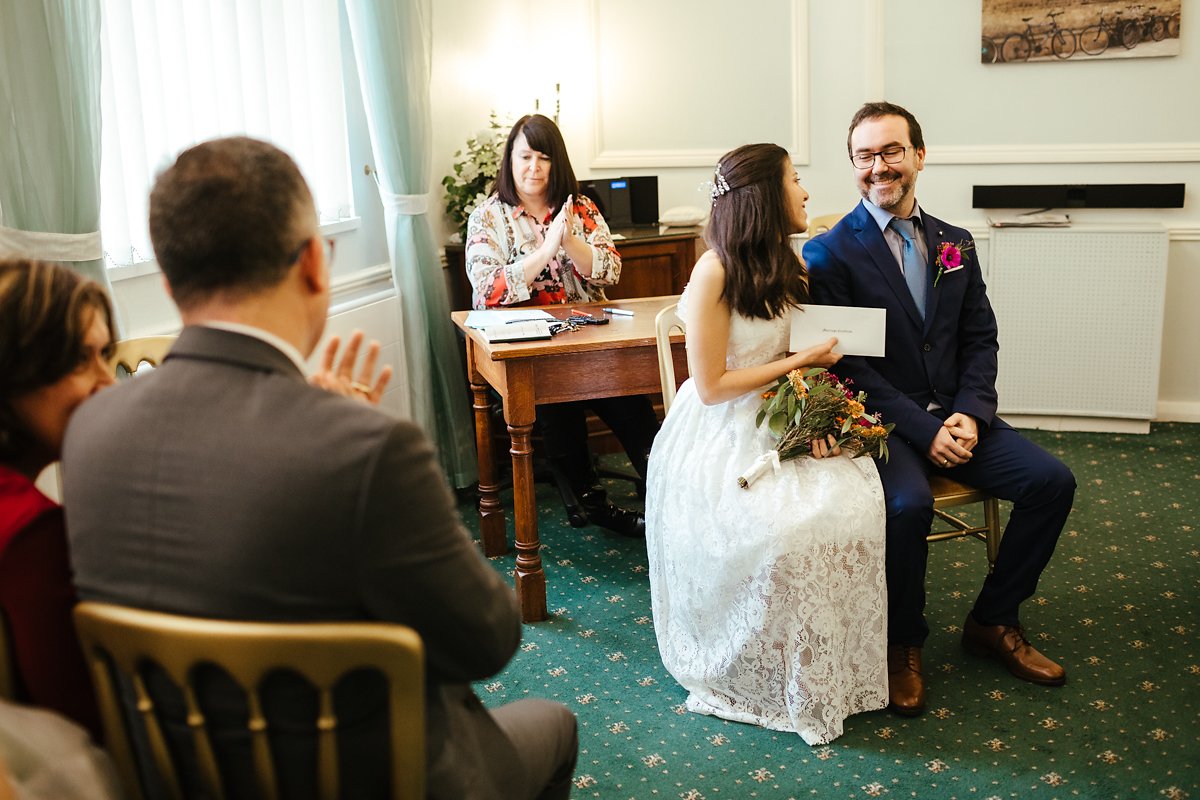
(682,217)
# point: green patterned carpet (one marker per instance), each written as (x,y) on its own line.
(1117,606)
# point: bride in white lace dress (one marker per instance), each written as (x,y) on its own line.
(769,602)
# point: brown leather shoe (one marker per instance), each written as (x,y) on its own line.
(906,687)
(1008,645)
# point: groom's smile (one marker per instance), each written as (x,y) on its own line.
(889,186)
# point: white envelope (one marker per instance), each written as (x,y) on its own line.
(860,331)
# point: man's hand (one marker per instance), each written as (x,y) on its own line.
(964,428)
(369,387)
(946,450)
(824,448)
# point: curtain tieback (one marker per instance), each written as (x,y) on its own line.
(407,204)
(51,246)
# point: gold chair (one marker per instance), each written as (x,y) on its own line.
(821,224)
(666,321)
(947,493)
(132,353)
(119,640)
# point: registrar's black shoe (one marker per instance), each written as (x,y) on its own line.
(618,520)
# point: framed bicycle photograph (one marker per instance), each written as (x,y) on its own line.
(1050,30)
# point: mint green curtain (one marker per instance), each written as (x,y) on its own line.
(50,120)
(392,46)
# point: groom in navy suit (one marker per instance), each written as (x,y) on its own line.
(937,383)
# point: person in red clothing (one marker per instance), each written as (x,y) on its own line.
(55,341)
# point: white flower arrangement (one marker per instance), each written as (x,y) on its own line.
(474,172)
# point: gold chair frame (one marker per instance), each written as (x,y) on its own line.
(947,493)
(666,321)
(132,353)
(821,224)
(122,640)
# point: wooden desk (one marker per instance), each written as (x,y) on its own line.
(611,360)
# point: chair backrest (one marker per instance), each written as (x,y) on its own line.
(132,353)
(119,640)
(821,224)
(666,321)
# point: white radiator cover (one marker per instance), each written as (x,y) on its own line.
(1080,312)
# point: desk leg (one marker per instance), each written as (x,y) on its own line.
(529,576)
(491,513)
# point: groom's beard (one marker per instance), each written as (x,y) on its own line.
(888,190)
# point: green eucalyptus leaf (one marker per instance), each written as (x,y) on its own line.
(778,423)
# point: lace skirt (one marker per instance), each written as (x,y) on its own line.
(769,602)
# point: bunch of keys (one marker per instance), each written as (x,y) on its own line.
(584,318)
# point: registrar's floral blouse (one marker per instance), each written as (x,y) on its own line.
(499,236)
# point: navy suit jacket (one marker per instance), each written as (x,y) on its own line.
(949,358)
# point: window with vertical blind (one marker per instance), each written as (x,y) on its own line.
(178,72)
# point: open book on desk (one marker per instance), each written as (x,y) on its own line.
(487,317)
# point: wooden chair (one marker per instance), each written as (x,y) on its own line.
(947,493)
(132,353)
(118,640)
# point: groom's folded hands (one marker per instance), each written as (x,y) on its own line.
(952,445)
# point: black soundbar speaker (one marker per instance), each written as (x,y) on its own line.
(1080,195)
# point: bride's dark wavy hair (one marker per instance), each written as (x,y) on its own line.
(749,229)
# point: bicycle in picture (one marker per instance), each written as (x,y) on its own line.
(1052,41)
(1095,39)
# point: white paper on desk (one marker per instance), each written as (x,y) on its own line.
(859,331)
(486,317)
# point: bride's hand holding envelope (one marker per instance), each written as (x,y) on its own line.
(818,355)
(859,331)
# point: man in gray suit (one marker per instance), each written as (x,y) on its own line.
(224,485)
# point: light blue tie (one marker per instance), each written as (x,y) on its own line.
(914,265)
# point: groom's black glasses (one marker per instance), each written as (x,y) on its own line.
(890,155)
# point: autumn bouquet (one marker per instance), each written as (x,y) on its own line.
(810,404)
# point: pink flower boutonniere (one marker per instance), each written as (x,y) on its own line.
(950,258)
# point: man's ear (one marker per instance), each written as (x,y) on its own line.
(920,154)
(313,270)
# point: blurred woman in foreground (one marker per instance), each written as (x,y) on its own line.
(55,341)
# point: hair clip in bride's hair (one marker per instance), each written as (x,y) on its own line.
(716,187)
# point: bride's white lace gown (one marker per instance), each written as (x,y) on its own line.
(769,602)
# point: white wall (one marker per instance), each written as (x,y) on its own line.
(1109,121)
